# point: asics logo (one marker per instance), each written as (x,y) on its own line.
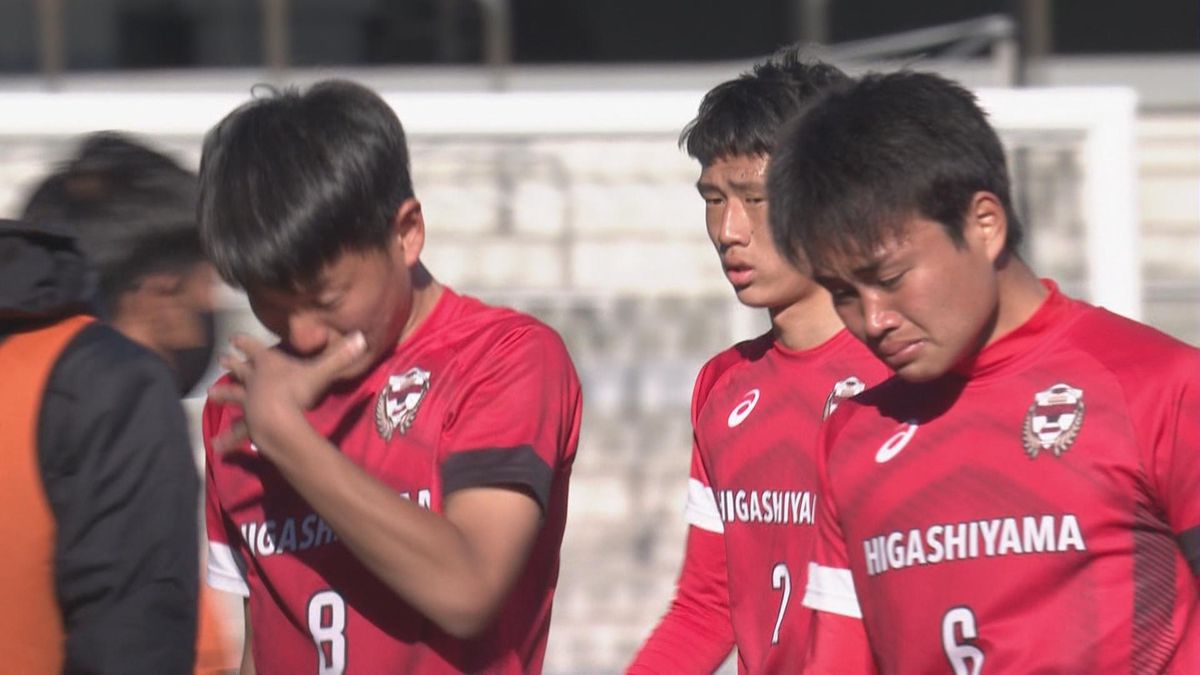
(892,446)
(742,410)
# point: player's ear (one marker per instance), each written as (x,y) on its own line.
(150,299)
(986,224)
(160,283)
(408,231)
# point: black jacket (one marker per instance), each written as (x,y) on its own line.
(117,468)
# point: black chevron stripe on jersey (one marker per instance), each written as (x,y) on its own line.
(486,467)
(1189,541)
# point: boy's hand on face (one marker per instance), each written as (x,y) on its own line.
(273,389)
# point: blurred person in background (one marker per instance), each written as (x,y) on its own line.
(98,485)
(133,210)
(1024,495)
(387,486)
(756,406)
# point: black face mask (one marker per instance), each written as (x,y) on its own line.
(193,362)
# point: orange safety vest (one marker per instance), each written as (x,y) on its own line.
(31,631)
(214,654)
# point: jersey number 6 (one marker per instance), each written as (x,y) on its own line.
(965,657)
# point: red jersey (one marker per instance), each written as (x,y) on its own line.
(476,396)
(755,412)
(1034,512)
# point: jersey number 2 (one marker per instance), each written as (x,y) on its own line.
(327,623)
(781,579)
(965,657)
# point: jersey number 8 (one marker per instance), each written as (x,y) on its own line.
(327,624)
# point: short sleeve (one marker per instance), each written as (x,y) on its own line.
(701,510)
(1176,465)
(226,568)
(1160,384)
(830,584)
(515,420)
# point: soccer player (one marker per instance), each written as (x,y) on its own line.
(757,405)
(97,483)
(133,210)
(1024,495)
(388,484)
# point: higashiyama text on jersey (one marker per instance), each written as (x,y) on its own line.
(1040,512)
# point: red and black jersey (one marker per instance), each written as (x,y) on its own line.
(1037,511)
(755,414)
(477,396)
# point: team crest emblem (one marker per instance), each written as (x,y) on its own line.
(847,388)
(1053,421)
(398,402)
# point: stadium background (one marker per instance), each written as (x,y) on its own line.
(590,221)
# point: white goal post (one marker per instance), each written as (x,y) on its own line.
(1105,120)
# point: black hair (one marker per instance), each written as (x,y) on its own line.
(132,208)
(290,181)
(867,155)
(742,116)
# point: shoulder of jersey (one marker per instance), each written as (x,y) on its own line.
(1122,343)
(883,395)
(878,398)
(716,368)
(478,321)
